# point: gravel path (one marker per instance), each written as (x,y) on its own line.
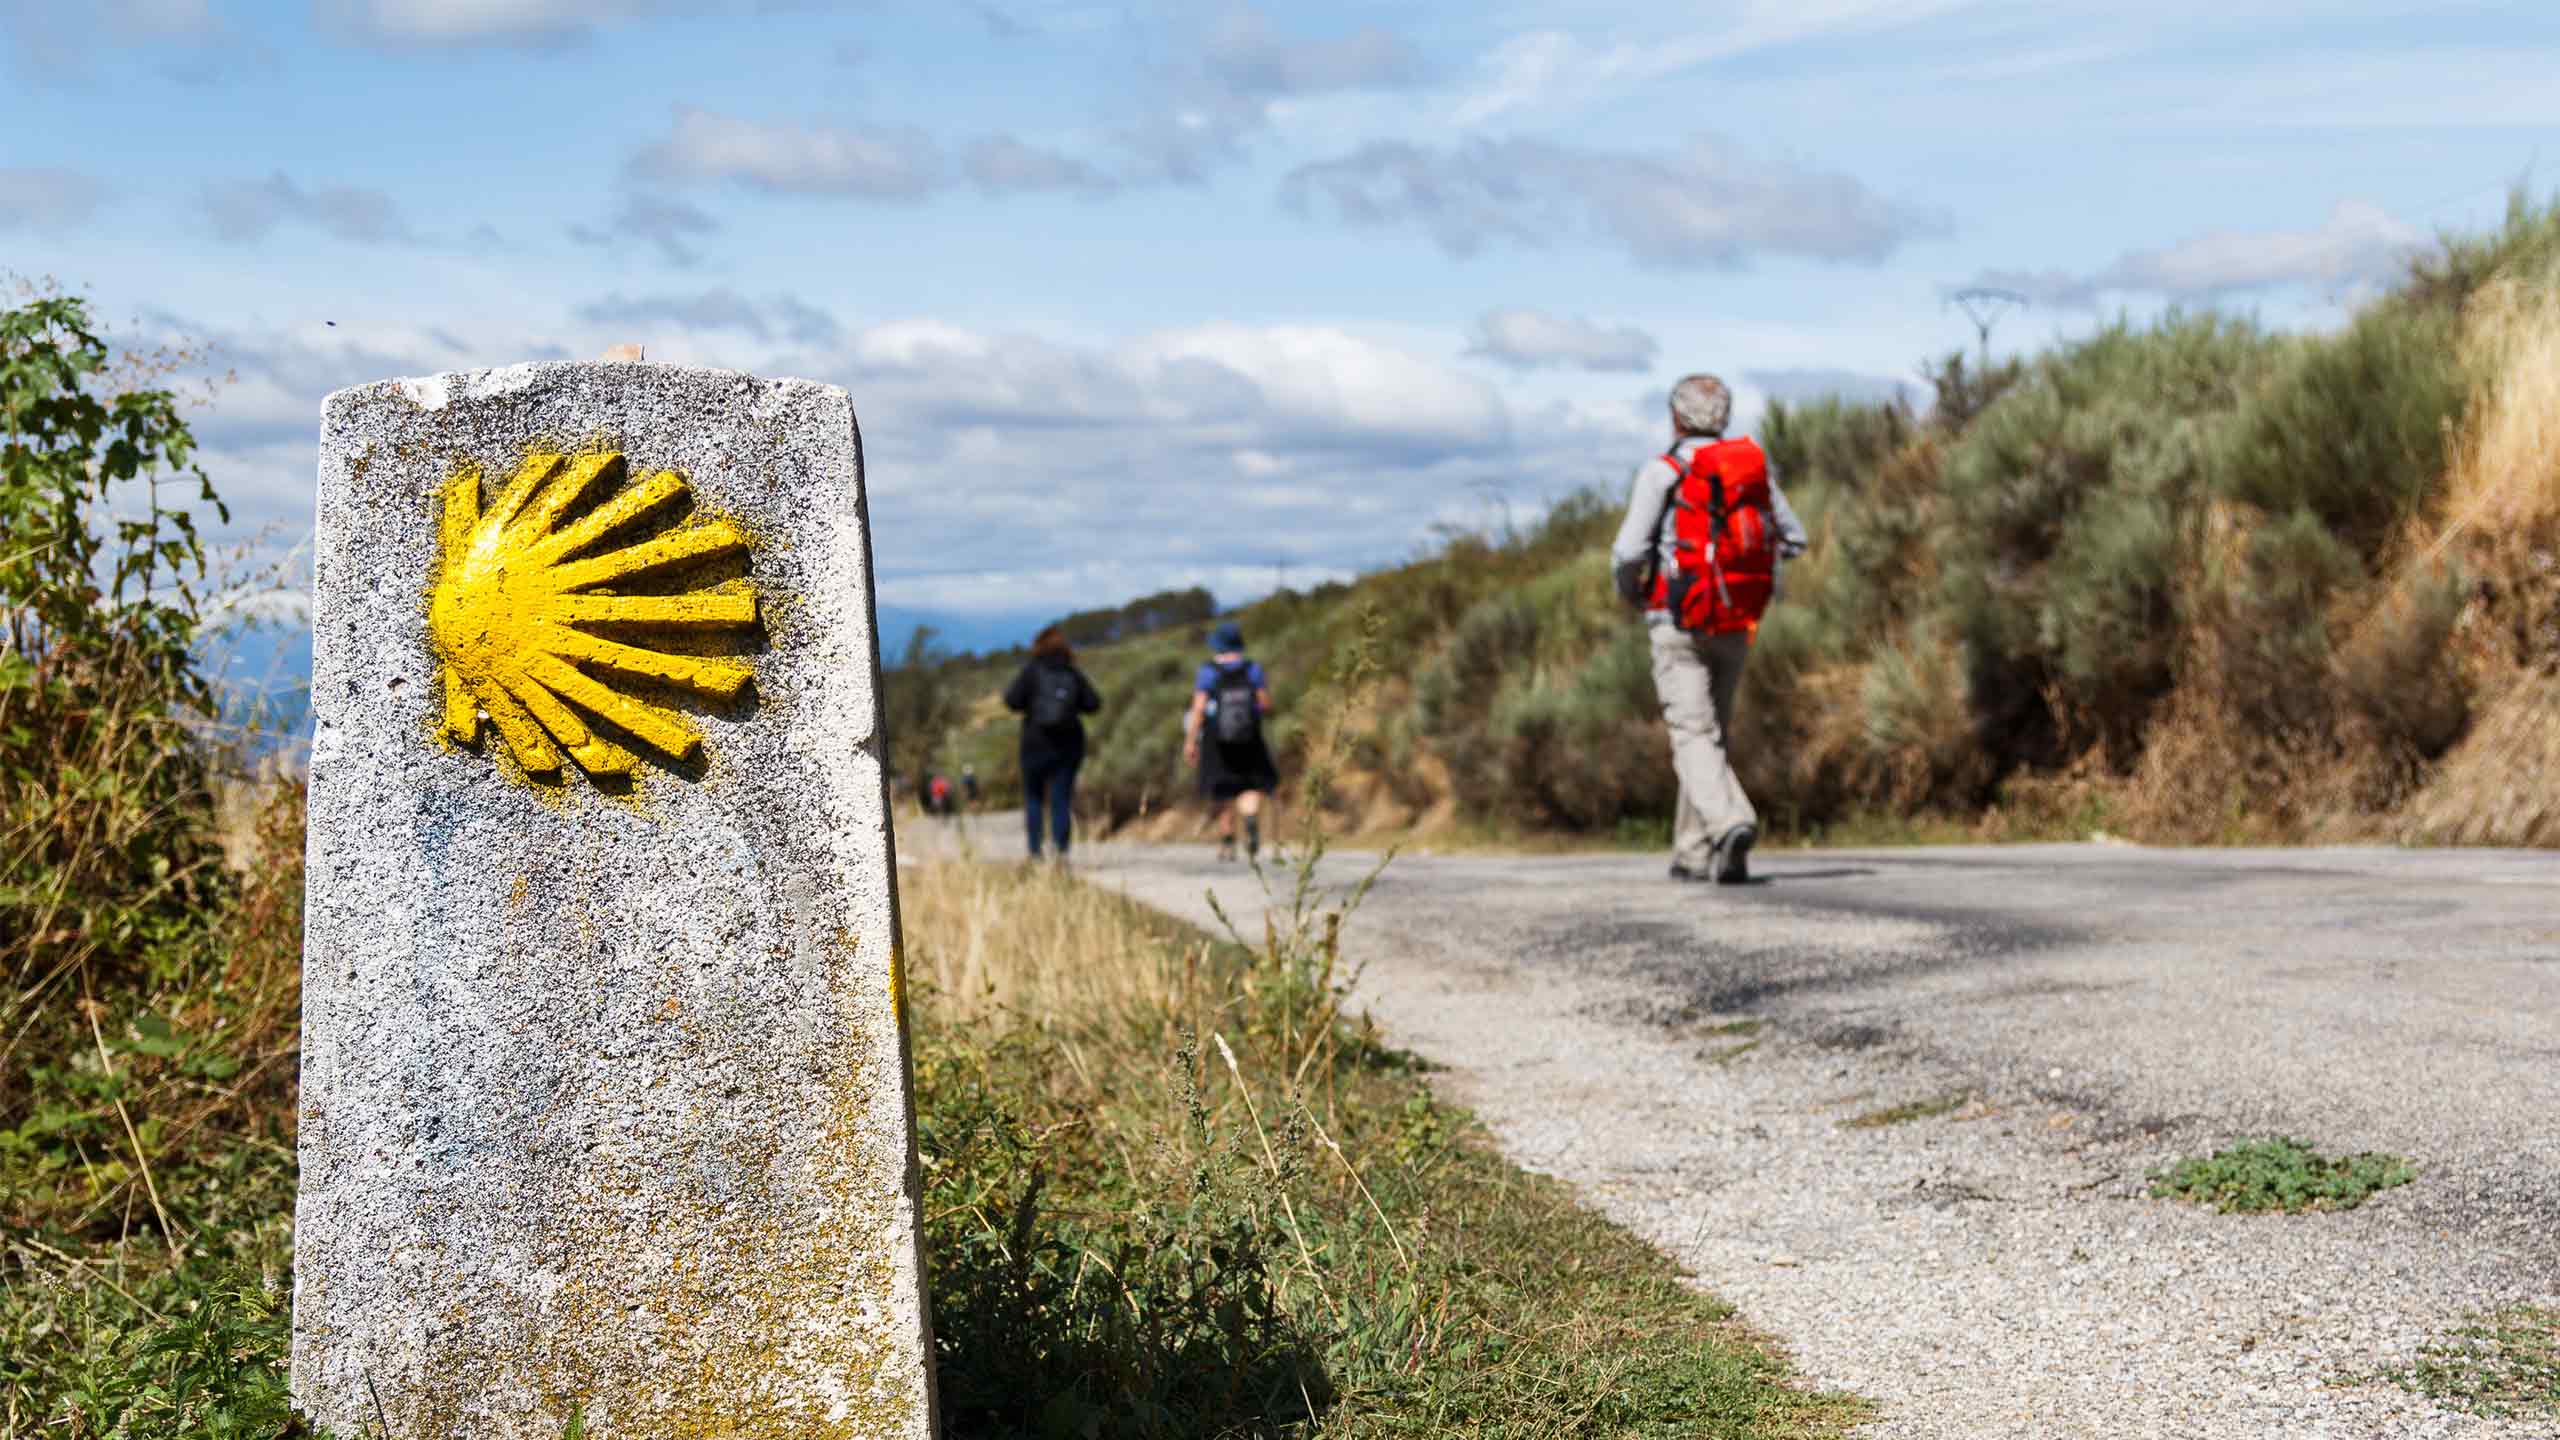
(1999,1270)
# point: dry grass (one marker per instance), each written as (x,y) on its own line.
(991,942)
(2501,785)
(2504,489)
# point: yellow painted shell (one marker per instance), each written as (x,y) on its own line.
(512,586)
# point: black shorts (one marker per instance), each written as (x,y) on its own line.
(1227,771)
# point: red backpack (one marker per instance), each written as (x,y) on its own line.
(1724,545)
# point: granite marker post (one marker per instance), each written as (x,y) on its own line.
(604,1089)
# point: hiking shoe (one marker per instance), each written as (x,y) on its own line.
(1684,875)
(1732,863)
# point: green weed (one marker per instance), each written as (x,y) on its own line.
(2280,1175)
(2505,1366)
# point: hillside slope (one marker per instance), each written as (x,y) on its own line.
(2189,579)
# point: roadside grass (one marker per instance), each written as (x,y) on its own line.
(1173,1190)
(147,1178)
(2282,1175)
(2506,1366)
(1909,1111)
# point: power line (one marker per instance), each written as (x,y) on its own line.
(1985,305)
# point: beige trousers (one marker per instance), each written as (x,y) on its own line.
(1696,676)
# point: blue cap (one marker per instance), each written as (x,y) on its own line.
(1226,637)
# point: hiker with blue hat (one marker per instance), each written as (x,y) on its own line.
(1222,735)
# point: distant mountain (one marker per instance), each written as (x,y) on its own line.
(262,673)
(973,633)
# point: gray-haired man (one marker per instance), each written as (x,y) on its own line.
(1696,670)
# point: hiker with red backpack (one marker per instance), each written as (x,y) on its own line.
(1700,549)
(1222,734)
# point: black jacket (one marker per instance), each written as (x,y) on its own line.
(1065,742)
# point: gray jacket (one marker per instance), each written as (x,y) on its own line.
(1643,547)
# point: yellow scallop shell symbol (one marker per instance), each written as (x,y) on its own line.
(513,585)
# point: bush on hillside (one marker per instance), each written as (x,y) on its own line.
(2067,499)
(1958,394)
(2351,430)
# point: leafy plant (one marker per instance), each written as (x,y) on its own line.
(104,802)
(2281,1175)
(2505,1365)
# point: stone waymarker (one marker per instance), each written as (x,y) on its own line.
(604,1075)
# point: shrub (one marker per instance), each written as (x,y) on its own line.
(105,805)
(2282,1175)
(2352,430)
(2066,497)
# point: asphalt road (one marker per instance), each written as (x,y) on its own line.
(2001,1269)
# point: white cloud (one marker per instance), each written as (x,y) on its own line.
(1010,473)
(783,316)
(1254,59)
(1327,387)
(917,344)
(669,224)
(1236,74)
(244,210)
(47,199)
(1706,204)
(398,24)
(2359,246)
(997,163)
(1814,383)
(2359,241)
(1556,69)
(883,164)
(1535,339)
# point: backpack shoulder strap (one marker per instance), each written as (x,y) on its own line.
(1715,478)
(1679,477)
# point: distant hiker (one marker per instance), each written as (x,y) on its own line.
(1053,697)
(1700,550)
(938,796)
(1222,735)
(969,786)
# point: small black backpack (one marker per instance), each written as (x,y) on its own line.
(1053,698)
(1239,710)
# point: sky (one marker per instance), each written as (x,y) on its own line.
(1135,296)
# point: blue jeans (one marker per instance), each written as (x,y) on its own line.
(1052,782)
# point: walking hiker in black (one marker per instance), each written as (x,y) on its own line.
(1053,697)
(1222,735)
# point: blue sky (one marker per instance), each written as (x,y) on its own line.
(1131,296)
